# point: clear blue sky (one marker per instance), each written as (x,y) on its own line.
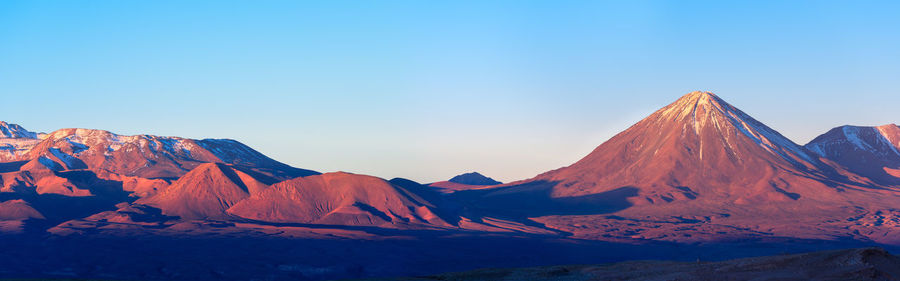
(429,89)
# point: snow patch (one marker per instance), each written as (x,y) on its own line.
(49,163)
(8,130)
(68,160)
(852,135)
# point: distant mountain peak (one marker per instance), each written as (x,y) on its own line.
(474,178)
(8,130)
(873,152)
(15,141)
(861,137)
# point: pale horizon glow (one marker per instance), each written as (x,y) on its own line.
(429,90)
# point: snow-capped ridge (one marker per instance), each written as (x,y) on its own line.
(16,141)
(8,130)
(872,152)
(862,138)
(151,156)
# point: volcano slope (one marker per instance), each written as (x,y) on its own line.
(697,170)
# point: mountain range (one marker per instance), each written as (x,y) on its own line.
(696,171)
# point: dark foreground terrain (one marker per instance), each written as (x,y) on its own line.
(848,264)
(405,253)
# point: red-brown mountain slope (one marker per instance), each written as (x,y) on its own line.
(338,199)
(206,192)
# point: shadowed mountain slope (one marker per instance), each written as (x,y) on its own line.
(474,178)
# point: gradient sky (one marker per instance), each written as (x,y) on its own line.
(429,89)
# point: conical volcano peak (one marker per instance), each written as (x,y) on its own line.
(704,113)
(689,105)
(698,140)
(698,95)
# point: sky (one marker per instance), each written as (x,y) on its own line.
(426,90)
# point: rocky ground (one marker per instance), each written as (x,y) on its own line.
(848,264)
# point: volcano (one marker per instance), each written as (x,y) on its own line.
(698,159)
(698,146)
